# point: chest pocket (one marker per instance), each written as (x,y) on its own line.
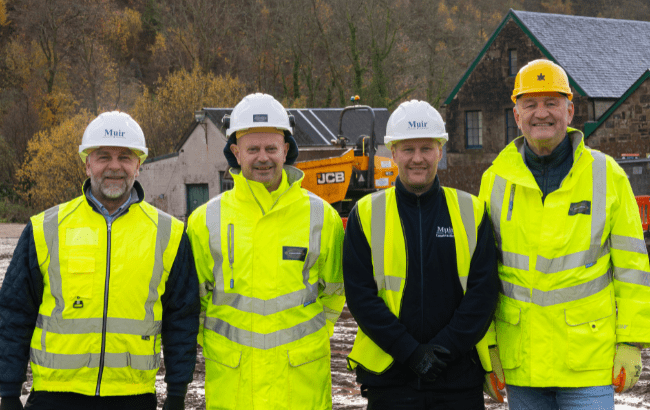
(82,244)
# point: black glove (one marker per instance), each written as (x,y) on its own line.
(173,403)
(428,361)
(11,403)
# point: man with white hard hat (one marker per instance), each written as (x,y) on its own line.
(419,264)
(268,256)
(96,287)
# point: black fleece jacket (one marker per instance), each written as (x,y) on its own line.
(22,294)
(434,309)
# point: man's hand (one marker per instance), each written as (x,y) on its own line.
(173,403)
(11,403)
(428,361)
(627,367)
(495,381)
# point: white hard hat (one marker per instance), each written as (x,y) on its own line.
(113,129)
(415,119)
(258,110)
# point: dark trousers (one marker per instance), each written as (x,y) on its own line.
(44,400)
(408,398)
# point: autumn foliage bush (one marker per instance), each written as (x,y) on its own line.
(53,172)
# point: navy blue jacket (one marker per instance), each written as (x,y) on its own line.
(22,294)
(434,309)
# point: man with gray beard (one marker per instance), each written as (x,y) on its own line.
(96,287)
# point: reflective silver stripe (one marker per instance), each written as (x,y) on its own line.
(467,216)
(572,260)
(333,289)
(463,283)
(94,325)
(51,232)
(331,315)
(163,235)
(377,234)
(393,283)
(265,307)
(626,243)
(557,296)
(268,340)
(599,204)
(91,360)
(633,276)
(496,204)
(515,260)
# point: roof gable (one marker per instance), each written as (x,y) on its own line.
(591,127)
(602,57)
(318,126)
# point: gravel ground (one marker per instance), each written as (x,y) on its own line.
(344,388)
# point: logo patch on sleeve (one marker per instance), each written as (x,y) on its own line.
(583,207)
(293,253)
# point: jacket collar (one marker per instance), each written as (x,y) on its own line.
(137,195)
(253,192)
(510,163)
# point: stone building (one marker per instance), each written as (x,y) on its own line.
(602,58)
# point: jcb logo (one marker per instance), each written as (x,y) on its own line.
(330,178)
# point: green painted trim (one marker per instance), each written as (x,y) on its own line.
(593,126)
(510,15)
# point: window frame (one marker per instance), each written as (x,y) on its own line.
(479,129)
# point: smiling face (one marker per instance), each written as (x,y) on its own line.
(543,119)
(417,162)
(261,157)
(112,171)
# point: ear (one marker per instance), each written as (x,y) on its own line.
(235,151)
(393,150)
(286,150)
(517,117)
(570,111)
(137,170)
(88,166)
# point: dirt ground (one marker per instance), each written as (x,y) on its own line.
(345,391)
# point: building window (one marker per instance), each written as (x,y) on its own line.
(512,131)
(512,62)
(227,182)
(474,129)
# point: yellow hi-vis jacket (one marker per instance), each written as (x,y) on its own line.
(382,227)
(567,265)
(271,286)
(98,327)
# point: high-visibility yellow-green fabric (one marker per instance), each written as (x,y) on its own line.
(567,264)
(389,261)
(271,287)
(98,328)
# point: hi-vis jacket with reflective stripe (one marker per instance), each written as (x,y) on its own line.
(568,264)
(98,327)
(269,270)
(382,227)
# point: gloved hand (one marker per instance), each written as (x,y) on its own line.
(174,403)
(495,381)
(428,361)
(627,367)
(11,403)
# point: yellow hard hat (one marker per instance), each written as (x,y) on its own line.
(541,76)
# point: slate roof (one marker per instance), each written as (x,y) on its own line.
(318,126)
(602,57)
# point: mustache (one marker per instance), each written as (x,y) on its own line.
(114,174)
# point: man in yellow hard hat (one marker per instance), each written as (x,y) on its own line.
(419,264)
(268,256)
(574,266)
(97,288)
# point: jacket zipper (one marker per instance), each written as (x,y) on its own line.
(231,253)
(512,201)
(104,319)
